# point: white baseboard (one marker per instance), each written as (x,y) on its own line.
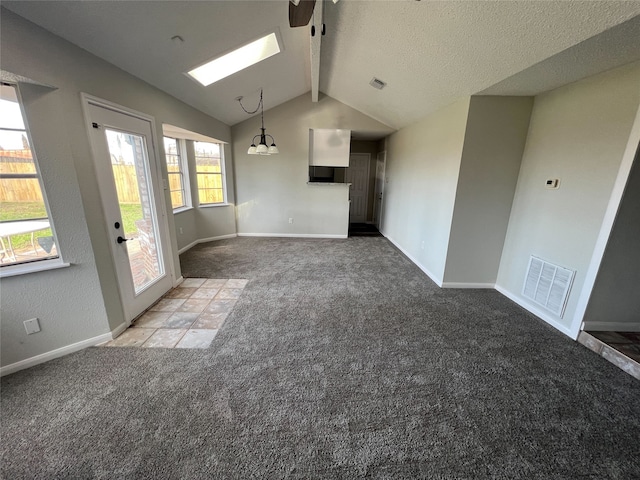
(59,352)
(467,285)
(178,281)
(205,240)
(435,279)
(611,326)
(537,312)
(292,235)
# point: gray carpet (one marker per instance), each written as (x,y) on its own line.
(340,360)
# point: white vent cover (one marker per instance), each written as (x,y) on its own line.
(548,285)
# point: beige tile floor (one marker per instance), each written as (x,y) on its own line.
(188,316)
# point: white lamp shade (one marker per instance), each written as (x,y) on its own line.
(262,149)
(252,150)
(273,150)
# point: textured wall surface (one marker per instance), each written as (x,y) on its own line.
(272,189)
(423,163)
(80,302)
(493,144)
(578,133)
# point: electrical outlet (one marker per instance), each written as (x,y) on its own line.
(290,220)
(31,326)
(180,230)
(422,245)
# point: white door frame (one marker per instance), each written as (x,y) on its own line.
(158,189)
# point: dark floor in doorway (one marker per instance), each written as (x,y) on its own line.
(363,230)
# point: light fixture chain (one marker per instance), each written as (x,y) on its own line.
(261,148)
(254,111)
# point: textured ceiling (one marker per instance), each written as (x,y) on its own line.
(430,53)
(136,36)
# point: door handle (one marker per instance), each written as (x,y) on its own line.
(121,239)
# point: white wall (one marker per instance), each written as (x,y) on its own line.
(578,133)
(272,189)
(494,141)
(80,302)
(423,161)
(615,299)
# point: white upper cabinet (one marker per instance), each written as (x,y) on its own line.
(329,147)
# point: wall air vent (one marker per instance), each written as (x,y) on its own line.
(377,83)
(548,285)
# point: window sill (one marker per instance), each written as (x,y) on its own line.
(182,209)
(32,267)
(213,205)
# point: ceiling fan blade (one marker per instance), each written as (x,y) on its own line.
(300,14)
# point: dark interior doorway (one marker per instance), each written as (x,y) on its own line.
(363,230)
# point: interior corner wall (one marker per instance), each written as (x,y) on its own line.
(578,133)
(220,220)
(272,189)
(199,224)
(81,302)
(495,137)
(423,163)
(370,147)
(615,298)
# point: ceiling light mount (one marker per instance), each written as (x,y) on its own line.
(261,148)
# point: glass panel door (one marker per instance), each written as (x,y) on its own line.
(129,162)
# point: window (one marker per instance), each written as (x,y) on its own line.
(210,173)
(25,228)
(177,172)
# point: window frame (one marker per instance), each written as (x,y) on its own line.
(223,176)
(35,264)
(185,180)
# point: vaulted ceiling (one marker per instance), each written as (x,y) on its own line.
(429,53)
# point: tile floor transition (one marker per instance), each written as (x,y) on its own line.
(620,348)
(188,316)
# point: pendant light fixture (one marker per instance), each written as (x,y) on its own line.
(261,148)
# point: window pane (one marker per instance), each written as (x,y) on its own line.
(209,171)
(10,114)
(22,191)
(175,181)
(211,180)
(170,146)
(25,233)
(175,172)
(210,196)
(176,199)
(173,164)
(205,149)
(15,141)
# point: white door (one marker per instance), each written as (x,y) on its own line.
(381,163)
(127,169)
(358,176)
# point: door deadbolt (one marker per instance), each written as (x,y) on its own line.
(117,225)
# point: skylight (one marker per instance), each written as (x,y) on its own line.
(236,60)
